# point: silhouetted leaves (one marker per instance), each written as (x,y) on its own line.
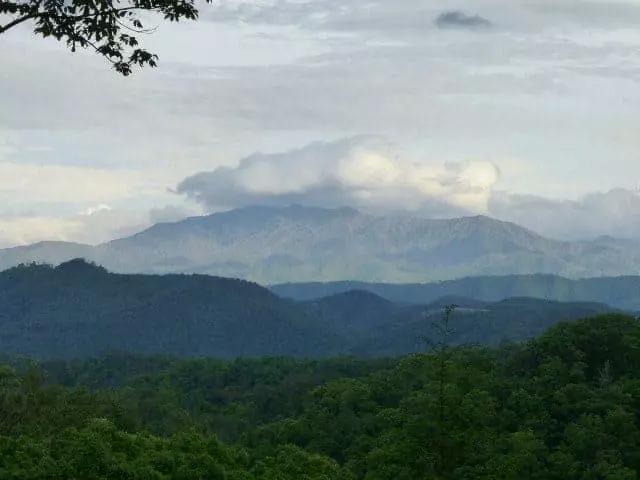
(110,27)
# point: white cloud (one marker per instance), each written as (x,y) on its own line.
(373,174)
(60,183)
(26,230)
(365,172)
(615,213)
(97,208)
(92,228)
(69,203)
(6,151)
(173,213)
(96,225)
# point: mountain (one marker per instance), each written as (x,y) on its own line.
(371,325)
(275,245)
(353,313)
(78,309)
(621,292)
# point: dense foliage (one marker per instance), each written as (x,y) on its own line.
(563,406)
(78,309)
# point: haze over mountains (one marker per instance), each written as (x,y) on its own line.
(81,310)
(273,245)
(621,292)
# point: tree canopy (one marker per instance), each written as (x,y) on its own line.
(78,309)
(563,406)
(110,27)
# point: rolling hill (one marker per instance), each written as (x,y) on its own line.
(622,292)
(78,309)
(509,320)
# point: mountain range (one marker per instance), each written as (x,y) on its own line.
(79,309)
(273,245)
(621,292)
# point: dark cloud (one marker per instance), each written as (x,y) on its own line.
(456,19)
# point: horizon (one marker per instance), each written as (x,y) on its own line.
(525,112)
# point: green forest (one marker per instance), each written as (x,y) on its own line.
(564,405)
(78,310)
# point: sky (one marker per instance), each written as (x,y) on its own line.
(524,110)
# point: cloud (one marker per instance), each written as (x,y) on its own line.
(91,228)
(97,208)
(6,149)
(555,85)
(374,174)
(385,17)
(30,229)
(172,213)
(390,71)
(366,172)
(615,213)
(95,225)
(63,183)
(456,19)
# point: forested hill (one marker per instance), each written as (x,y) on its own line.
(621,292)
(78,309)
(561,407)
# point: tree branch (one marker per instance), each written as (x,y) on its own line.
(17,21)
(98,24)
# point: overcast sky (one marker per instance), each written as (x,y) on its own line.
(526,110)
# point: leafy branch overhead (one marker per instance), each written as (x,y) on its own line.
(110,27)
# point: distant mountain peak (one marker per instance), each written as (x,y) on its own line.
(295,210)
(308,212)
(261,214)
(297,207)
(300,243)
(481,219)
